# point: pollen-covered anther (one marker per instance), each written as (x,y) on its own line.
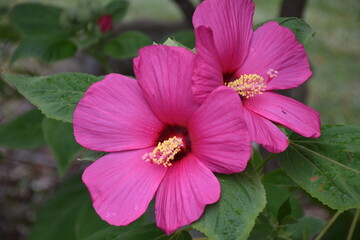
(248,85)
(164,152)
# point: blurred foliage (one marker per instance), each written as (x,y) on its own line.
(327,167)
(126,45)
(59,136)
(23,132)
(334,54)
(335,65)
(298,26)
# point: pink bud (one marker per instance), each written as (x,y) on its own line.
(105,23)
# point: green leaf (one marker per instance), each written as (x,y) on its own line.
(172,43)
(341,226)
(89,155)
(233,216)
(126,45)
(279,178)
(57,219)
(256,159)
(149,232)
(328,167)
(279,192)
(305,226)
(117,9)
(23,132)
(265,228)
(305,234)
(183,235)
(60,137)
(69,215)
(88,41)
(268,228)
(90,226)
(186,38)
(45,47)
(34,19)
(276,197)
(284,210)
(298,26)
(88,222)
(57,95)
(7,32)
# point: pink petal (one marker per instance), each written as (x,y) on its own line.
(207,73)
(122,185)
(184,192)
(265,132)
(218,132)
(286,111)
(113,115)
(275,48)
(231,23)
(164,74)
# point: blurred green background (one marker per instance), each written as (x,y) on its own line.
(334,52)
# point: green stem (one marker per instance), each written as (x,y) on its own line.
(270,156)
(353,225)
(103,61)
(189,228)
(328,225)
(105,65)
(95,52)
(174,236)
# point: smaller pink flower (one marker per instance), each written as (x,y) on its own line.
(253,64)
(160,141)
(105,23)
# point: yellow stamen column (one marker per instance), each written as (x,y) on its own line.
(247,85)
(164,152)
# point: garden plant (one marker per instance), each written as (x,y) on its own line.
(195,140)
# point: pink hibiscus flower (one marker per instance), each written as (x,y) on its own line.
(253,64)
(162,143)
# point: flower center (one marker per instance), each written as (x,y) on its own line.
(247,85)
(165,152)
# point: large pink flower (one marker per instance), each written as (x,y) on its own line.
(253,64)
(162,143)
